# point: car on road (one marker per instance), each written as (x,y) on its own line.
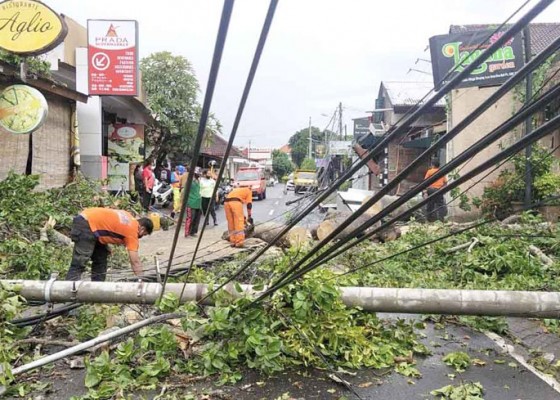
(305,180)
(289,184)
(254,179)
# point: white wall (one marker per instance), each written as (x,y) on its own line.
(89,120)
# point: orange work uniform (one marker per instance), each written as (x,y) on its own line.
(440,182)
(233,206)
(113,227)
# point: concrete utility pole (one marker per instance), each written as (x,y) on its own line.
(528,122)
(310,151)
(414,301)
(340,121)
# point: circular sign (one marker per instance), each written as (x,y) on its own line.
(126,132)
(30,27)
(100,61)
(23,109)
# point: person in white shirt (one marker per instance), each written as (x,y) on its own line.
(207,184)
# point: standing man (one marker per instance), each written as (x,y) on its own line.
(436,208)
(193,205)
(233,207)
(93,229)
(148,180)
(207,184)
(176,184)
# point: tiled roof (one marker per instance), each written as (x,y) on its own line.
(542,34)
(218,148)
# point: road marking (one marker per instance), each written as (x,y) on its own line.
(553,383)
(271,212)
(276,202)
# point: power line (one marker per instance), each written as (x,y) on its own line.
(213,77)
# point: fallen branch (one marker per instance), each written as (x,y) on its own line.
(47,342)
(546,260)
(469,244)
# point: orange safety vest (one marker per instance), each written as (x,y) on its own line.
(439,183)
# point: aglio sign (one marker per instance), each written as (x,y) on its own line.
(454,52)
(29,27)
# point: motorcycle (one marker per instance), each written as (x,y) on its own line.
(162,194)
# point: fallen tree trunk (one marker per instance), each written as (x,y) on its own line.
(295,237)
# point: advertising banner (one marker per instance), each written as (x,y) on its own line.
(113,57)
(340,147)
(448,51)
(125,149)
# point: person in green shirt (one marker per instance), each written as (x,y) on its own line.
(194,204)
(207,184)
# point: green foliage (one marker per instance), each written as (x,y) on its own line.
(138,363)
(172,88)
(459,360)
(510,185)
(308,163)
(10,306)
(299,143)
(24,211)
(281,163)
(34,64)
(91,320)
(499,262)
(467,391)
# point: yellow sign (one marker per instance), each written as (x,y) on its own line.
(30,27)
(23,109)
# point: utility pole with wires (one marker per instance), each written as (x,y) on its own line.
(340,120)
(309,153)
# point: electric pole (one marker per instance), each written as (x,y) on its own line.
(528,122)
(340,120)
(310,140)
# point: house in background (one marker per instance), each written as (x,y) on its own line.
(463,100)
(394,100)
(48,151)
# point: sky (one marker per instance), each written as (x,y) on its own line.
(318,52)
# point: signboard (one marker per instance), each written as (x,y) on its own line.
(113,57)
(361,127)
(30,27)
(340,147)
(23,109)
(125,150)
(449,50)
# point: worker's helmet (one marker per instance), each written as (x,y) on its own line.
(180,169)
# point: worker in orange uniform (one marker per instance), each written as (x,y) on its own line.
(93,229)
(233,206)
(436,208)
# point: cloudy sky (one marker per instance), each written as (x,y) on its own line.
(319,52)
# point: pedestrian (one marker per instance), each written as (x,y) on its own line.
(436,208)
(207,185)
(94,229)
(138,184)
(193,205)
(176,184)
(233,207)
(148,180)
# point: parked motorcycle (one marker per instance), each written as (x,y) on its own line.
(162,194)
